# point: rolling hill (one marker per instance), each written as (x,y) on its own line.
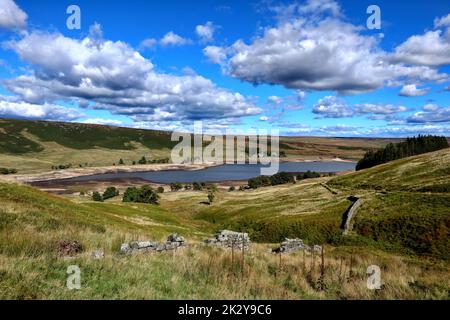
(399,224)
(36,146)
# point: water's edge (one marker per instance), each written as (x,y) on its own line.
(212,174)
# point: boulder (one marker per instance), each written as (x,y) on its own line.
(293,245)
(176,240)
(125,248)
(230,239)
(98,254)
(173,242)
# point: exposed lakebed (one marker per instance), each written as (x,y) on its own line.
(211,174)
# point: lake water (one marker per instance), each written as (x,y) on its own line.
(217,174)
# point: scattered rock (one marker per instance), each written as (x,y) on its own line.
(69,247)
(173,242)
(293,245)
(230,239)
(98,254)
(315,248)
(175,239)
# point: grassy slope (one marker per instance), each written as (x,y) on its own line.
(407,202)
(32,223)
(399,214)
(37,145)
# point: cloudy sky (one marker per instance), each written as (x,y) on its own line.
(309,67)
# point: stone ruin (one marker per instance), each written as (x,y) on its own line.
(173,242)
(293,245)
(230,239)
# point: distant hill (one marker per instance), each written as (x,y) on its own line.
(31,146)
(76,136)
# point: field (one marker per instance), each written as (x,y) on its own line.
(403,227)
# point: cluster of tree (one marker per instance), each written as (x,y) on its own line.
(144,194)
(410,147)
(109,193)
(196,186)
(96,196)
(144,160)
(7,171)
(62,166)
(176,186)
(276,179)
(308,175)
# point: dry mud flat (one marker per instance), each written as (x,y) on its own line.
(78,172)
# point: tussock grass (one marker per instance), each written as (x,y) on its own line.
(208,273)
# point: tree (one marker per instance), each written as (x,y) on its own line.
(197,186)
(212,187)
(281,178)
(409,147)
(96,196)
(232,188)
(211,196)
(308,175)
(143,160)
(160,190)
(110,192)
(7,171)
(130,195)
(121,162)
(176,186)
(144,194)
(148,195)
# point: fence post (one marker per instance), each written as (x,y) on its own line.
(243,255)
(322,271)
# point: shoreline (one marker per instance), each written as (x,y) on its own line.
(82,172)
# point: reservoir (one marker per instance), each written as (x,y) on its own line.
(215,174)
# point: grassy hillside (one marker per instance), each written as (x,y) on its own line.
(403,226)
(31,146)
(407,202)
(32,223)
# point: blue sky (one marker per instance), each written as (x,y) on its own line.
(304,67)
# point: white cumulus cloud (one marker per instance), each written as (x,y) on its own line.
(205,32)
(411,90)
(314,48)
(174,40)
(13,108)
(113,76)
(11,16)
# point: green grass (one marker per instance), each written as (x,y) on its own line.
(408,174)
(401,227)
(407,203)
(77,136)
